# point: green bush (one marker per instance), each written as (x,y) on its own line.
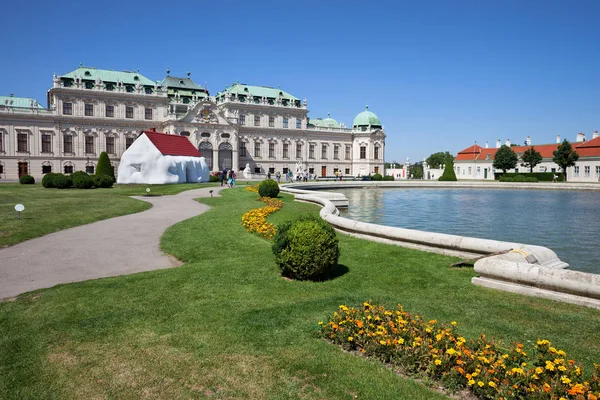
(306,248)
(61,181)
(26,180)
(48,180)
(103,181)
(213,178)
(78,173)
(539,176)
(388,178)
(82,181)
(104,167)
(507,179)
(268,188)
(377,177)
(448,174)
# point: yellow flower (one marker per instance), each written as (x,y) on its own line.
(565,380)
(492,384)
(438,361)
(450,351)
(481,384)
(471,382)
(539,370)
(549,365)
(350,338)
(453,323)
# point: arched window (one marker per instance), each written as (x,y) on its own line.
(205,149)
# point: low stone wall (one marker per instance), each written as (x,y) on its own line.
(521,268)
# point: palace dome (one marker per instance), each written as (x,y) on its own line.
(366,118)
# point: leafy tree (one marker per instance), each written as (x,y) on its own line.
(449,174)
(531,158)
(104,167)
(565,156)
(415,171)
(436,160)
(505,159)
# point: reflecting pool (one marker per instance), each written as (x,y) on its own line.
(567,222)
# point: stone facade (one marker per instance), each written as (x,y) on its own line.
(92,110)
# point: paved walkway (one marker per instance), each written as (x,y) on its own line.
(116,246)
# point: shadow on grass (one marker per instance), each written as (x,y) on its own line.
(337,271)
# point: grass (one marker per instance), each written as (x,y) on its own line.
(52,210)
(226,326)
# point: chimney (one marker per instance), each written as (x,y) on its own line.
(508,142)
(596,134)
(580,137)
(487,145)
(557,138)
(528,141)
(498,144)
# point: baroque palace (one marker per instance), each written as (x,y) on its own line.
(92,110)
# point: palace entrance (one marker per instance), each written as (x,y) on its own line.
(206,151)
(22,169)
(225,156)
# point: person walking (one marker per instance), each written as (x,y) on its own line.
(222,177)
(233,177)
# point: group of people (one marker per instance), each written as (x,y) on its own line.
(301,176)
(228,177)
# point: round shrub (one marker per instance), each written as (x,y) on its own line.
(78,173)
(388,178)
(48,180)
(26,180)
(103,181)
(61,181)
(83,181)
(306,249)
(377,177)
(268,188)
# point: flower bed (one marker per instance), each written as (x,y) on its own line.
(255,220)
(488,368)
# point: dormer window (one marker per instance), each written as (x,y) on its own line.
(87,73)
(181,82)
(136,78)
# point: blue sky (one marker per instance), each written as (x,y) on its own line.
(439,74)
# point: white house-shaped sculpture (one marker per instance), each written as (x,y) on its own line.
(158,158)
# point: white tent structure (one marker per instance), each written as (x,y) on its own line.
(159,158)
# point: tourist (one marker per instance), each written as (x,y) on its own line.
(554,178)
(223,174)
(229,178)
(269,175)
(233,176)
(278,176)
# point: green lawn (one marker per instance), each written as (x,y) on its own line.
(52,210)
(226,326)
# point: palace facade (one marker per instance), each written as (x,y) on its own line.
(92,110)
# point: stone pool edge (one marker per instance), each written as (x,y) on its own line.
(514,267)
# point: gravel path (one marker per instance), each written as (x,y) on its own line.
(116,246)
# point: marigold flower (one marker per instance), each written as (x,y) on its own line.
(438,361)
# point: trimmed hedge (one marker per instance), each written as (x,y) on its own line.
(78,173)
(26,180)
(306,248)
(449,174)
(268,188)
(103,181)
(540,176)
(377,177)
(48,180)
(104,167)
(83,181)
(389,178)
(61,181)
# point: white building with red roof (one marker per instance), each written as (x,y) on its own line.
(476,162)
(158,158)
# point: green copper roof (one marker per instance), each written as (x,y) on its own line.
(181,83)
(325,123)
(19,102)
(259,91)
(127,77)
(366,118)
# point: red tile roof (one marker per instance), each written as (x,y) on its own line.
(172,145)
(478,153)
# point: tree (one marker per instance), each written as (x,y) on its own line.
(505,159)
(415,171)
(531,158)
(449,174)
(436,160)
(565,156)
(104,167)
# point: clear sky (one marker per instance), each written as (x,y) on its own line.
(439,74)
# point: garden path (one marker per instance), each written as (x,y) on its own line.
(112,247)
